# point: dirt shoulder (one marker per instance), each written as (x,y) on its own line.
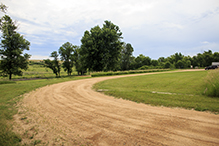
(71,113)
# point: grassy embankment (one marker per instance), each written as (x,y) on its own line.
(180,89)
(9,95)
(111,73)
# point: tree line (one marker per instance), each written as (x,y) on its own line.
(176,60)
(101,49)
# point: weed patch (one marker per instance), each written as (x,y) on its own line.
(212,83)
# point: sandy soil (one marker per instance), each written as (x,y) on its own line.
(71,113)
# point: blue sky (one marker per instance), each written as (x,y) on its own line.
(155,28)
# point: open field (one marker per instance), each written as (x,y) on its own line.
(36,69)
(182,89)
(71,113)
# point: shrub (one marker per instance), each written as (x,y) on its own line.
(144,67)
(212,83)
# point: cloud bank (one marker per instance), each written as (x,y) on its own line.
(154,28)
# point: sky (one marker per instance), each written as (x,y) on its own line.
(155,28)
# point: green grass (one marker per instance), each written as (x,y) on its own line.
(7,82)
(180,89)
(9,95)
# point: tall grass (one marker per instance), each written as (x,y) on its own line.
(212,83)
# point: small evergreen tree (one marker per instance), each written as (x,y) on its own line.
(12,46)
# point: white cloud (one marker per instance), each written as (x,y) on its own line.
(144,23)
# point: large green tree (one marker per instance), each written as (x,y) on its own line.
(12,46)
(142,60)
(79,62)
(54,64)
(126,56)
(101,47)
(66,52)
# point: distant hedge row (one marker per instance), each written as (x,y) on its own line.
(111,73)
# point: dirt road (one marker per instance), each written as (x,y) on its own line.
(71,113)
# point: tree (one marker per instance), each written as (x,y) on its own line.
(54,64)
(12,46)
(101,47)
(161,59)
(177,57)
(126,56)
(79,62)
(3,8)
(154,62)
(167,64)
(200,60)
(216,57)
(208,58)
(171,59)
(186,62)
(179,64)
(66,52)
(142,60)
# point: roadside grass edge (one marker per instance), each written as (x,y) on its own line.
(112,73)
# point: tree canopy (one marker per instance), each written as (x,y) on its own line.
(101,47)
(66,52)
(126,56)
(12,46)
(54,64)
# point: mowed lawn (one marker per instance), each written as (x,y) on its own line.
(179,89)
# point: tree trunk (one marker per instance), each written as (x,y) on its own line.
(10,76)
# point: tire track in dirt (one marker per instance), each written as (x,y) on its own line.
(71,113)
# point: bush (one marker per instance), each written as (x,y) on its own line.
(144,67)
(212,83)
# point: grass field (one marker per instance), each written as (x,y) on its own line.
(10,93)
(36,69)
(182,89)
